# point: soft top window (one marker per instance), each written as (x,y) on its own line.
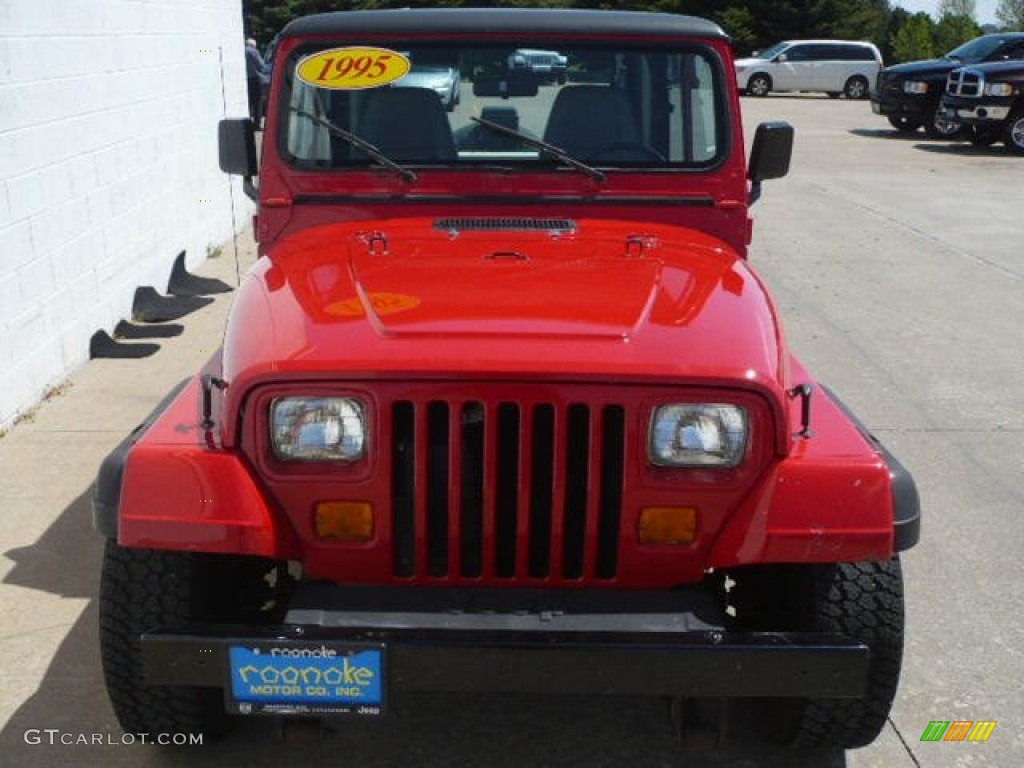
(462,107)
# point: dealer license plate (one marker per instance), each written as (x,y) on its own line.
(306,678)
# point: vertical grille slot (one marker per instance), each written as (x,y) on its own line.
(506,502)
(403,487)
(613,460)
(577,466)
(438,472)
(542,469)
(471,484)
(503,489)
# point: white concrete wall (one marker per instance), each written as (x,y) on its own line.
(108,166)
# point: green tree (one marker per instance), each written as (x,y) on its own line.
(915,39)
(897,18)
(957,8)
(1010,15)
(951,31)
(741,26)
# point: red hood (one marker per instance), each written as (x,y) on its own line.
(602,299)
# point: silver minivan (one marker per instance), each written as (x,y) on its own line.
(835,67)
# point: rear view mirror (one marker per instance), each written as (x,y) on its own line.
(770,155)
(512,84)
(236,142)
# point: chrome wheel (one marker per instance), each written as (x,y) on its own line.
(1014,136)
(856,88)
(759,85)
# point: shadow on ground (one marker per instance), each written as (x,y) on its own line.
(421,730)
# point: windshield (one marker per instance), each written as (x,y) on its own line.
(421,105)
(975,50)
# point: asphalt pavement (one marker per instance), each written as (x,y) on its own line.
(897,264)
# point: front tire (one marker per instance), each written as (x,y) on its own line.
(863,601)
(759,85)
(143,589)
(984,136)
(856,88)
(940,127)
(1013,134)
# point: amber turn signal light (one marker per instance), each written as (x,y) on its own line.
(667,525)
(344,520)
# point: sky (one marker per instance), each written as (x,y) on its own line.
(986,13)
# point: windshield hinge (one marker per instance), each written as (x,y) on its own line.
(637,245)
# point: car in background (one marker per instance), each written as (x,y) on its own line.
(547,65)
(835,67)
(443,80)
(910,95)
(988,99)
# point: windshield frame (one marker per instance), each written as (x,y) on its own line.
(722,106)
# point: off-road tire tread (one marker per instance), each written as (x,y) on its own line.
(141,589)
(863,601)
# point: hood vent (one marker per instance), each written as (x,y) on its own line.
(492,224)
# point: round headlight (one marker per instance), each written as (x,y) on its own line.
(698,435)
(318,428)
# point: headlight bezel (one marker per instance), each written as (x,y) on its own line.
(736,451)
(256,440)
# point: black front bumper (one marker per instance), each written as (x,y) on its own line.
(911,106)
(648,651)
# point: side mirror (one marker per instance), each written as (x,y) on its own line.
(782,58)
(236,142)
(770,155)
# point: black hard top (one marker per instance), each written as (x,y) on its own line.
(519,21)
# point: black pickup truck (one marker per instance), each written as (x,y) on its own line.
(989,98)
(910,95)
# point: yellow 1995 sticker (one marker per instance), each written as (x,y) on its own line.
(352,68)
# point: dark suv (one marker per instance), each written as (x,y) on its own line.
(910,94)
(990,99)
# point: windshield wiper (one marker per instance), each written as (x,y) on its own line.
(362,145)
(543,146)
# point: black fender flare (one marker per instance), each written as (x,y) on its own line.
(106,492)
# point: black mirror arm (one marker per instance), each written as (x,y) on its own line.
(755,193)
(250,189)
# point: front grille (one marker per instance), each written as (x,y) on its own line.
(965,82)
(494,224)
(519,490)
(888,83)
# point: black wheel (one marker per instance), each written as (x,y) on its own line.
(1013,134)
(834,94)
(759,85)
(941,127)
(142,589)
(904,124)
(856,88)
(863,601)
(981,136)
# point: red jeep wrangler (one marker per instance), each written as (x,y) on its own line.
(503,405)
